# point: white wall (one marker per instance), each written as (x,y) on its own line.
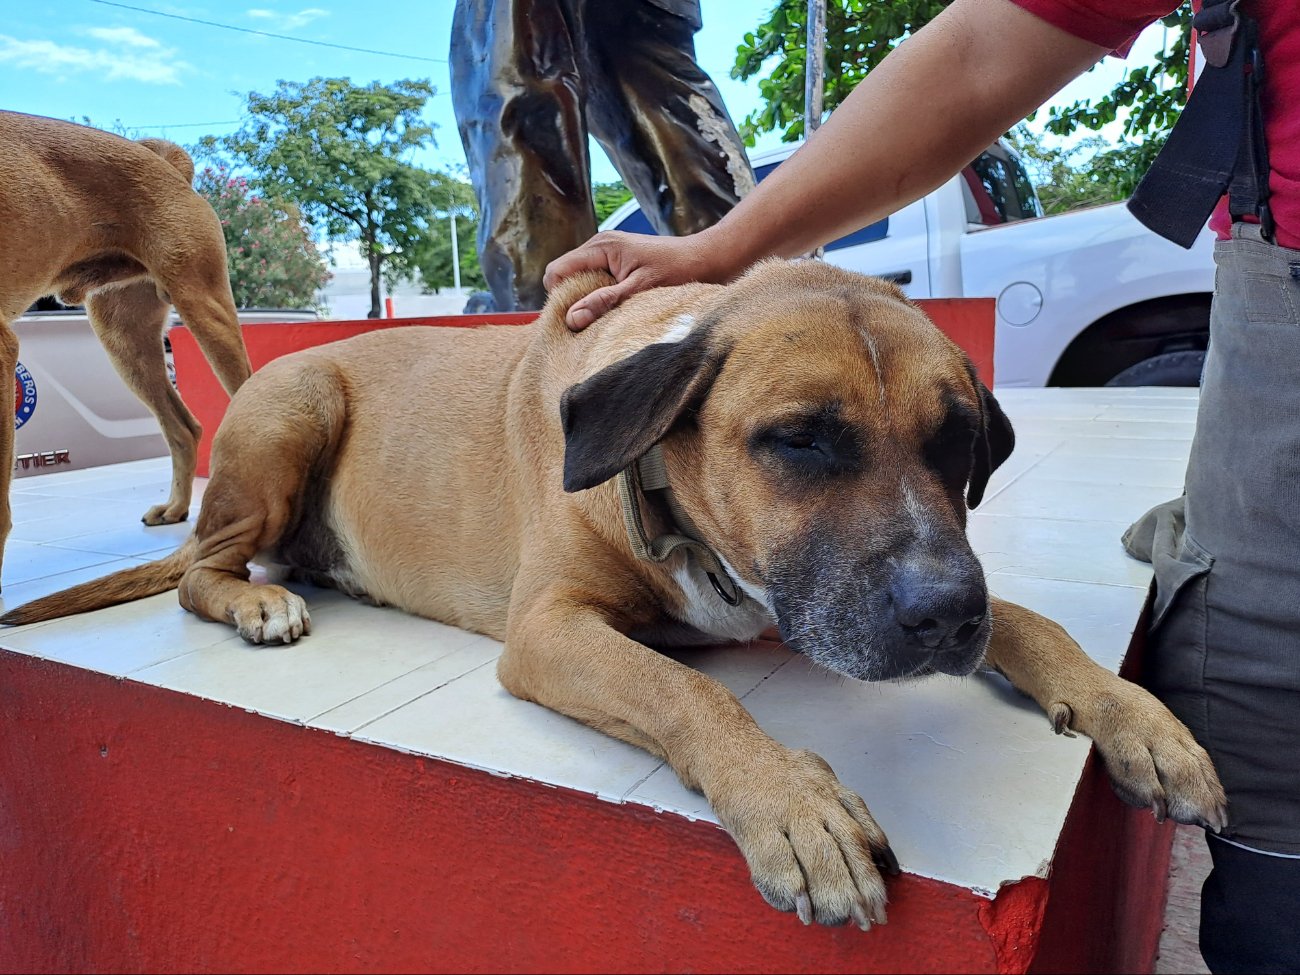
(347,295)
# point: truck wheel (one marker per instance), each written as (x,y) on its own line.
(1168,369)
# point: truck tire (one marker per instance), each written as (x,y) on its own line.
(1168,369)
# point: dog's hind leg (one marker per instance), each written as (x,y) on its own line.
(199,287)
(212,320)
(8,363)
(279,433)
(129,321)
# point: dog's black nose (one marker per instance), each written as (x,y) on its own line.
(940,613)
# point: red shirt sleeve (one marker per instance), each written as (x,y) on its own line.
(1111,24)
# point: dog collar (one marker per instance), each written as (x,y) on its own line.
(649,473)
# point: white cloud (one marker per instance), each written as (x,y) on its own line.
(124,55)
(127,36)
(287,21)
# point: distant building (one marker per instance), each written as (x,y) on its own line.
(347,295)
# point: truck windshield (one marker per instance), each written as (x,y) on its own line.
(998,190)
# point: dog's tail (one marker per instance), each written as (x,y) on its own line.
(175,156)
(120,587)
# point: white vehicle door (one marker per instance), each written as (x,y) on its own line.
(896,248)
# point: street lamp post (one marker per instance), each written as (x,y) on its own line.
(455,252)
(814,66)
(814,74)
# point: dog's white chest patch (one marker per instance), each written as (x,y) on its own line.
(704,610)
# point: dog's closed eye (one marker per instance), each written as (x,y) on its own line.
(817,444)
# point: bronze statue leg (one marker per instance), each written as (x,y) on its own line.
(518,97)
(659,115)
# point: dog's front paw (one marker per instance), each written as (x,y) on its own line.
(811,845)
(166,514)
(1153,760)
(270,614)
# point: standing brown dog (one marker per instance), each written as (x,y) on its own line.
(116,225)
(797,448)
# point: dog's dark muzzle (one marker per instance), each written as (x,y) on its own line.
(910,617)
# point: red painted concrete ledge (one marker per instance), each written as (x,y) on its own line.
(149,831)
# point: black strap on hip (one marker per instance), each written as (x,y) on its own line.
(1217,145)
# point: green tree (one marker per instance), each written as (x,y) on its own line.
(859,33)
(609,197)
(339,151)
(273,261)
(1085,174)
(432,257)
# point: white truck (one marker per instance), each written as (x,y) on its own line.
(72,408)
(1084,298)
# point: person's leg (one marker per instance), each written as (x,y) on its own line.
(1224,652)
(518,98)
(1250,911)
(659,116)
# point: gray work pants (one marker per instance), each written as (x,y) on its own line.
(1224,648)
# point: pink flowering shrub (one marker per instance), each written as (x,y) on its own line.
(273,261)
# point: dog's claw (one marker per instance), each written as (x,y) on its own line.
(1217,820)
(1158,808)
(163,514)
(271,614)
(1154,762)
(1061,715)
(887,861)
(860,917)
(812,845)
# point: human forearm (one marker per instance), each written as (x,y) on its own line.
(928,109)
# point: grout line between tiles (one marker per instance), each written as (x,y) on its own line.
(432,690)
(625,797)
(1016,477)
(1077,582)
(133,674)
(758,683)
(428,663)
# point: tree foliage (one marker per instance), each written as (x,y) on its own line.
(273,261)
(859,33)
(1086,174)
(1151,95)
(340,152)
(431,258)
(609,197)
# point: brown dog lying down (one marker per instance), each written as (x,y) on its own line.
(820,438)
(116,224)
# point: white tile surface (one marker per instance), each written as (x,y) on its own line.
(1054,548)
(964,775)
(361,648)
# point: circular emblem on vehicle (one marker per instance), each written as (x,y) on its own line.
(24,396)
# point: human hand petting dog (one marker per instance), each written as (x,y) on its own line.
(980,66)
(638,262)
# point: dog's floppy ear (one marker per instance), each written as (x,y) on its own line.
(614,417)
(993,443)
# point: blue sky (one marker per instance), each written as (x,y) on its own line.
(181,80)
